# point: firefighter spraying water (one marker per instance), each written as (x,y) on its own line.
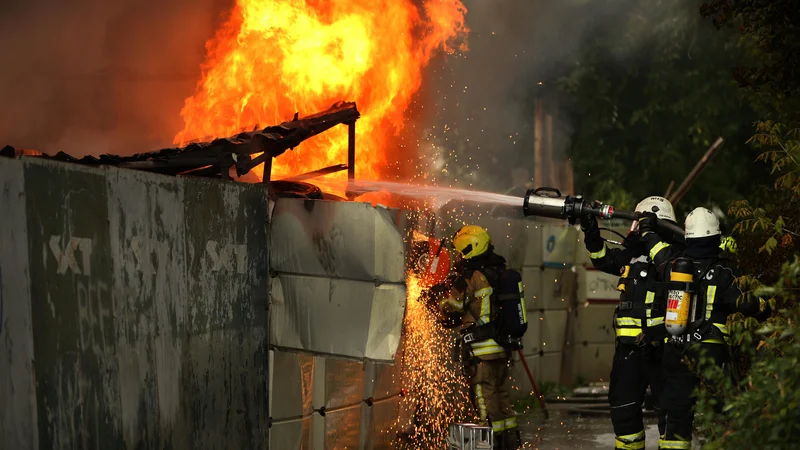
(639,318)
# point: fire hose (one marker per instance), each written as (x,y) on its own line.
(548,202)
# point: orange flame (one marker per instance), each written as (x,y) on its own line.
(277,57)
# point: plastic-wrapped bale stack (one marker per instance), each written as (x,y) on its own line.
(550,282)
(595,332)
(338,299)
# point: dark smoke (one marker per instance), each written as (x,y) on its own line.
(483,101)
(100,76)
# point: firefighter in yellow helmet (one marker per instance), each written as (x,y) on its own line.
(488,362)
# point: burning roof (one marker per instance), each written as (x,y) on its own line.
(243,151)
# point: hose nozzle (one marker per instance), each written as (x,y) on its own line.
(548,202)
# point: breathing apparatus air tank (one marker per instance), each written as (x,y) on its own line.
(679,301)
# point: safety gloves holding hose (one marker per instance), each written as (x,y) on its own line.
(648,223)
(591,232)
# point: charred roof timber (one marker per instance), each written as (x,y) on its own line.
(215,158)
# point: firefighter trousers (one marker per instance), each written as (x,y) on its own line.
(491,384)
(634,369)
(679,384)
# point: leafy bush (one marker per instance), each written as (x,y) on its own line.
(756,403)
(763,408)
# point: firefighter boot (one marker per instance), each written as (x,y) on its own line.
(513,439)
(500,441)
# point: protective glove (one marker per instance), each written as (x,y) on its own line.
(647,223)
(634,242)
(589,224)
(591,233)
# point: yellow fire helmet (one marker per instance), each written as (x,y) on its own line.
(471,241)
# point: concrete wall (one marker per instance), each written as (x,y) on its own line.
(141,301)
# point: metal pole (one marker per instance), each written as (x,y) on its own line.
(553,177)
(538,172)
(669,188)
(351,151)
(687,183)
(570,178)
(267,175)
(535,387)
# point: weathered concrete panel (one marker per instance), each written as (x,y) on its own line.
(384,415)
(149,301)
(386,322)
(18,420)
(146,234)
(302,324)
(225,355)
(72,300)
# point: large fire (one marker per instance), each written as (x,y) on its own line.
(277,57)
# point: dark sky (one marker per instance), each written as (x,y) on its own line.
(95,76)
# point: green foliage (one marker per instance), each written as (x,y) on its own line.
(764,407)
(769,225)
(782,150)
(770,28)
(530,403)
(648,94)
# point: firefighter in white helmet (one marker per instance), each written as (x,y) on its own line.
(638,323)
(487,364)
(715,294)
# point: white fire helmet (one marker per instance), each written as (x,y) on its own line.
(701,222)
(658,205)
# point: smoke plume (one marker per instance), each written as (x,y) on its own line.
(95,76)
(479,120)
